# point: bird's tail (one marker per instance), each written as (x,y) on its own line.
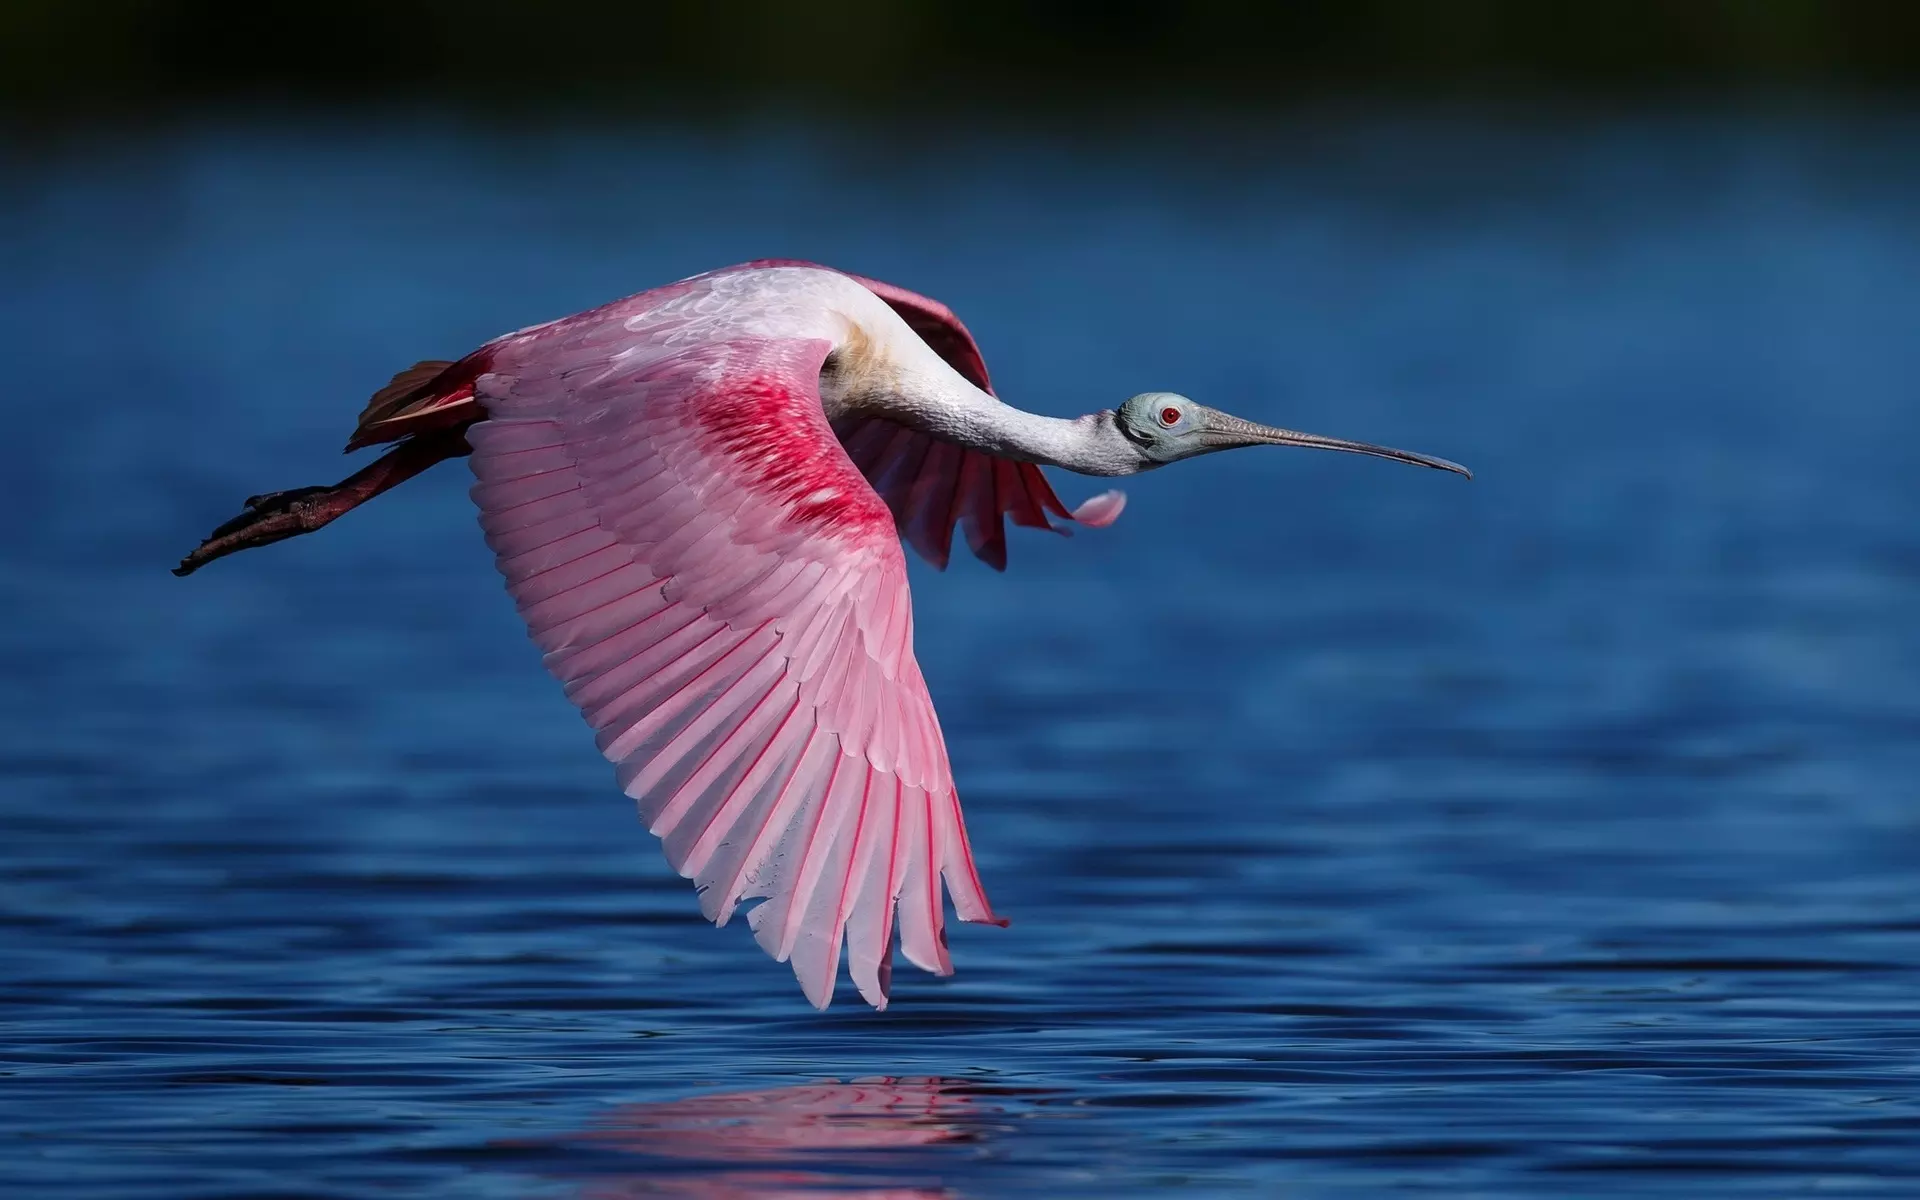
(277,516)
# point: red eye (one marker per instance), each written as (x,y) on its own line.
(1169,416)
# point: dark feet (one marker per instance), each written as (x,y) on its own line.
(269,518)
(277,516)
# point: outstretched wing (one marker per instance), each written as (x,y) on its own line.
(723,597)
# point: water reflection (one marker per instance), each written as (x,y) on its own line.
(854,1138)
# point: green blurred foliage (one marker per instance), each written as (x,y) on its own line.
(127,56)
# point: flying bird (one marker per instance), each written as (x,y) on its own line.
(698,496)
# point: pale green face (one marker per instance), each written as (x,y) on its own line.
(1166,427)
(1162,424)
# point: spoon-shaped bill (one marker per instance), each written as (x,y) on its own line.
(1221,431)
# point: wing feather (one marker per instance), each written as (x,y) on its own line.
(742,652)
(759,874)
(725,821)
(815,930)
(870,906)
(729,693)
(923,938)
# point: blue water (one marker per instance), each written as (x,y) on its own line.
(1364,831)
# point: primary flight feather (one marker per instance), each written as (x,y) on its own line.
(697,496)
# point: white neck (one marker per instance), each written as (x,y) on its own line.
(918,389)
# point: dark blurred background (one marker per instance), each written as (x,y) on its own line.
(1365,831)
(121,57)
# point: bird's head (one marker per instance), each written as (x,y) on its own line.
(1161,427)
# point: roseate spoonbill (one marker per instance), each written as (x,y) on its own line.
(697,497)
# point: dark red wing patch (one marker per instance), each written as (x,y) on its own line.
(769,429)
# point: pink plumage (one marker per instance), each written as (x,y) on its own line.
(721,592)
(698,496)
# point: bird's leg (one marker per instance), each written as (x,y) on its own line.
(277,516)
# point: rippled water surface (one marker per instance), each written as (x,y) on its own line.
(1363,830)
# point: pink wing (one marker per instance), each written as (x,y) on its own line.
(725,600)
(931,485)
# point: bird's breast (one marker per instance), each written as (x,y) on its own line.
(855,372)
